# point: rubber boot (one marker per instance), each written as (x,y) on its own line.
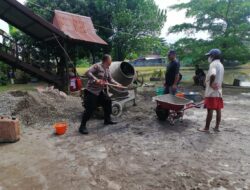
(83,130)
(108,121)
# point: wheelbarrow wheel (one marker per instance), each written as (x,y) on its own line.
(161,113)
(116,109)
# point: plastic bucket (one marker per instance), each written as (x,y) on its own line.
(159,91)
(60,128)
(180,95)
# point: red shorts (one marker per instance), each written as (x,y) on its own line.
(214,103)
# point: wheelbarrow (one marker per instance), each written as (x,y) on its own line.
(172,108)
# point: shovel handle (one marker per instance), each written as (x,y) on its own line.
(193,105)
(117,86)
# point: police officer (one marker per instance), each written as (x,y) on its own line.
(96,92)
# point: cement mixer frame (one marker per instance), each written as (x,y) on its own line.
(124,73)
(118,104)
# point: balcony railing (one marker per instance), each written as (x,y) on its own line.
(42,59)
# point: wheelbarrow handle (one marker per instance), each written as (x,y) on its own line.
(193,105)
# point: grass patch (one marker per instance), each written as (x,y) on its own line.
(81,70)
(247,65)
(188,72)
(149,69)
(142,70)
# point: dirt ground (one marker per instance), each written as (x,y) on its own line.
(139,153)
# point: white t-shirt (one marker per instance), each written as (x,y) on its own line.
(216,68)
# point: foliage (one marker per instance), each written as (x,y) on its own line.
(227,22)
(122,23)
(132,56)
(21,77)
(4,67)
(20,36)
(83,63)
(158,74)
(3,73)
(150,45)
(134,22)
(160,47)
(191,51)
(14,32)
(3,79)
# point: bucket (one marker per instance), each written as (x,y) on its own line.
(160,91)
(60,128)
(180,95)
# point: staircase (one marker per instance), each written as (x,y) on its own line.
(29,60)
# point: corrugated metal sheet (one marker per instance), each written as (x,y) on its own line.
(24,19)
(77,27)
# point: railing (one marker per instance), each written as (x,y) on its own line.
(30,55)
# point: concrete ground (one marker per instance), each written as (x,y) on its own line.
(139,153)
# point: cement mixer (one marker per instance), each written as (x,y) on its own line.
(124,73)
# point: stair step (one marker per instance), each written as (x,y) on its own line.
(30,68)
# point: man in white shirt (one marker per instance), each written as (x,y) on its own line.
(213,92)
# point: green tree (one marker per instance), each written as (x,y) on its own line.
(133,22)
(122,23)
(150,45)
(4,68)
(228,23)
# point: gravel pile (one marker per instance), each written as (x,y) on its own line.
(40,108)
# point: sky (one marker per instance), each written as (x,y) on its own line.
(173,18)
(176,17)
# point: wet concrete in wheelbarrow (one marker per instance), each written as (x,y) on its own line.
(139,153)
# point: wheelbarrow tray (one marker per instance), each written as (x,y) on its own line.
(171,102)
(195,96)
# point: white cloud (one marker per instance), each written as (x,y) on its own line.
(21,1)
(4,26)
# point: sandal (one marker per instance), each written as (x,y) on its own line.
(203,130)
(216,130)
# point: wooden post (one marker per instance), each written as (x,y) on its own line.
(93,56)
(16,50)
(66,64)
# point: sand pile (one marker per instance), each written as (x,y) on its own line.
(40,107)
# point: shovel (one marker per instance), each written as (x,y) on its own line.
(117,86)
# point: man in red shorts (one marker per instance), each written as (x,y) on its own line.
(213,92)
